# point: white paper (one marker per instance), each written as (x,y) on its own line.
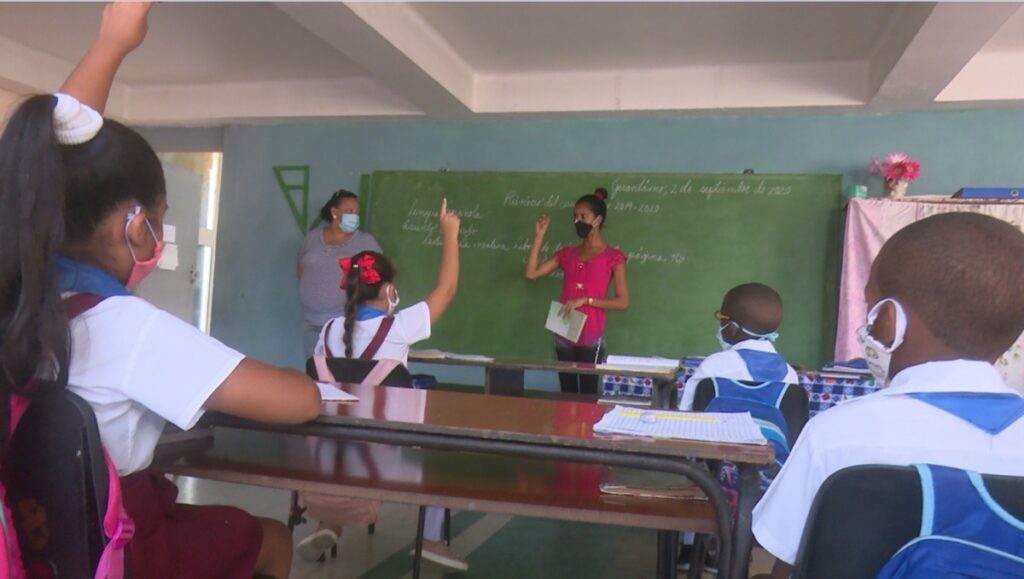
(736,427)
(569,327)
(169,257)
(640,361)
(170,232)
(331,393)
(469,357)
(427,354)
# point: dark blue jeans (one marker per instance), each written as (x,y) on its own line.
(566,351)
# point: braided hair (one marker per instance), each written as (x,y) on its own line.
(368,273)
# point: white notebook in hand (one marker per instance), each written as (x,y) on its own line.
(569,327)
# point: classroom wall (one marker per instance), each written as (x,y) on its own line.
(255,307)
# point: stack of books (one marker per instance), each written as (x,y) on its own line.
(850,369)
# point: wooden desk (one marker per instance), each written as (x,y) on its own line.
(507,377)
(540,429)
(418,476)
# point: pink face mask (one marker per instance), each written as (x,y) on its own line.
(141,269)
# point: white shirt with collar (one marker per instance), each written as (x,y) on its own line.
(888,428)
(729,364)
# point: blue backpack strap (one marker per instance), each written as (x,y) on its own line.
(762,402)
(764,366)
(964,532)
(992,412)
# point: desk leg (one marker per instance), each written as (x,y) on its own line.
(505,382)
(417,557)
(668,550)
(743,535)
(663,395)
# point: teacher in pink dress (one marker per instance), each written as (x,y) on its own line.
(589,268)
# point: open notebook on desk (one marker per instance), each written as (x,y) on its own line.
(734,427)
(638,363)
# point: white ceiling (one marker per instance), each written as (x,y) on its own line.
(212,63)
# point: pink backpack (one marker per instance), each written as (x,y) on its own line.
(117,525)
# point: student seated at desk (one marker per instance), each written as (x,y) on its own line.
(946,303)
(370,319)
(83,203)
(748,324)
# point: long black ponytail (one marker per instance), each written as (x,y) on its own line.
(52,196)
(34,340)
(359,291)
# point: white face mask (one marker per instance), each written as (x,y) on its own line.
(877,355)
(393,302)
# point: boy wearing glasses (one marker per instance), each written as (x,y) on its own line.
(748,324)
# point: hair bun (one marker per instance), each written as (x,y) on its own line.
(601,193)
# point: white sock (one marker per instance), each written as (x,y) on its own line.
(434,524)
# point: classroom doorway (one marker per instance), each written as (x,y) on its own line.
(183,281)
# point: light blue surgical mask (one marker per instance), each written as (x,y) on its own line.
(770,336)
(349,222)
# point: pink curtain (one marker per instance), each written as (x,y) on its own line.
(869,223)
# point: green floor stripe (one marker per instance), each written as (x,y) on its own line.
(400,563)
(540,549)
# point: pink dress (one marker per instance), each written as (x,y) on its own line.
(588,279)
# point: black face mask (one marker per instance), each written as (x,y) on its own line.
(583,229)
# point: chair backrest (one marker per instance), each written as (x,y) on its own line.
(56,480)
(863,515)
(354,371)
(794,406)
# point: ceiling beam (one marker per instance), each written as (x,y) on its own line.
(25,70)
(220,103)
(791,85)
(395,46)
(926,46)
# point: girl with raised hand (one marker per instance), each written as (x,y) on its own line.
(82,201)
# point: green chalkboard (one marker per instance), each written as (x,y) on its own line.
(690,237)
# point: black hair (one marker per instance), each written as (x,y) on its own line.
(52,196)
(754,306)
(358,292)
(962,274)
(596,202)
(335,200)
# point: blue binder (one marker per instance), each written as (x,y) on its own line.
(989,193)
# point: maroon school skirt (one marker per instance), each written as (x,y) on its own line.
(175,541)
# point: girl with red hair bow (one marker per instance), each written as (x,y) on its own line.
(368,279)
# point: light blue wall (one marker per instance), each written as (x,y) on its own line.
(255,307)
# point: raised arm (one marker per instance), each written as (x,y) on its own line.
(121,31)
(448,274)
(534,271)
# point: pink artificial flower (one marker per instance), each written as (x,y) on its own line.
(896,167)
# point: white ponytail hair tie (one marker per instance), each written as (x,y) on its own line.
(74,123)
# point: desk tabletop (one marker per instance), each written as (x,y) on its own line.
(493,483)
(553,366)
(515,419)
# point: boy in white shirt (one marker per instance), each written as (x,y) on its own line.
(946,297)
(748,324)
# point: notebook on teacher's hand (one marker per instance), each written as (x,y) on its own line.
(569,327)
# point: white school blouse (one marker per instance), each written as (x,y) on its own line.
(411,325)
(140,367)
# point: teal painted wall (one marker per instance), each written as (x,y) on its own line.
(255,304)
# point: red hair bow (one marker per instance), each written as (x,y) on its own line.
(365,264)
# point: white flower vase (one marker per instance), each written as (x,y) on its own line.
(896,189)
